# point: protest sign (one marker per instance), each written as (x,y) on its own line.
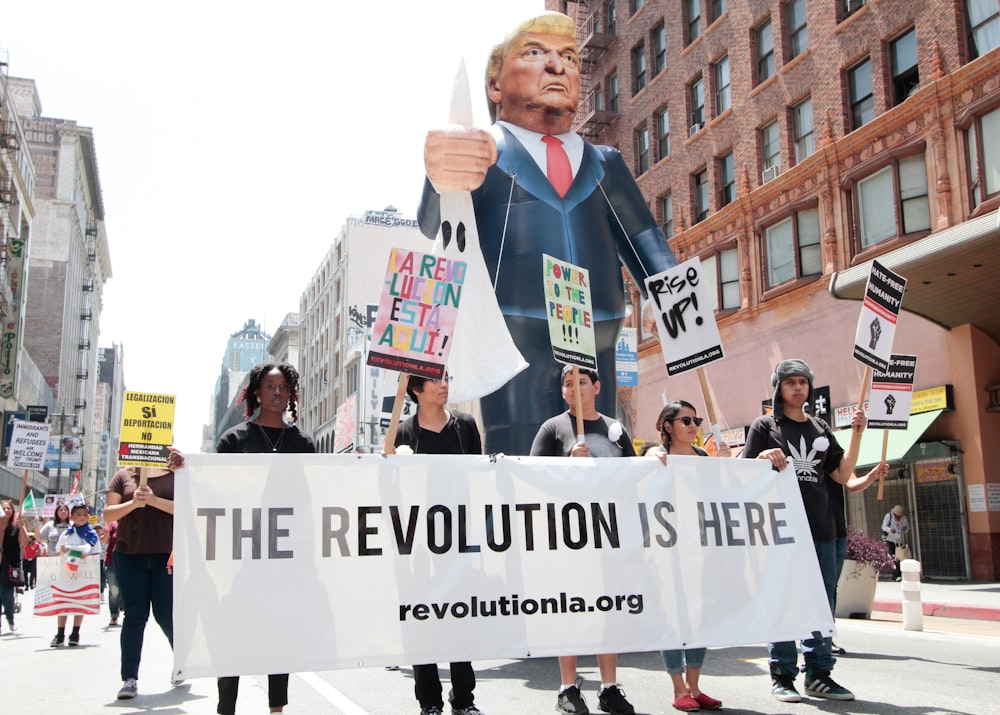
(627,359)
(892,393)
(689,336)
(147,430)
(567,307)
(60,591)
(416,313)
(28,445)
(879,313)
(441,558)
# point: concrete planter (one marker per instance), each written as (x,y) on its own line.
(856,590)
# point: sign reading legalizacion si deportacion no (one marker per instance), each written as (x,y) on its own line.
(147,429)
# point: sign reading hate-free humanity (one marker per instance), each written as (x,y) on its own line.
(567,307)
(147,429)
(416,313)
(689,336)
(892,393)
(879,313)
(28,444)
(441,558)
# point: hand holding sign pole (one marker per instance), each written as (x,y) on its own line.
(689,336)
(873,340)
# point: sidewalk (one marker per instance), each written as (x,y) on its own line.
(976,601)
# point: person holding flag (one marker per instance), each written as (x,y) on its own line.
(78,542)
(15,536)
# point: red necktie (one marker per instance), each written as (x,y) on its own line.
(557,165)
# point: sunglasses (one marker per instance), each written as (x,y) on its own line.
(686,421)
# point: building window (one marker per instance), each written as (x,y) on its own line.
(659,43)
(598,95)
(723,98)
(792,248)
(984,26)
(770,147)
(352,378)
(905,72)
(798,32)
(639,67)
(642,149)
(612,16)
(701,195)
(662,134)
(718,9)
(637,5)
(697,92)
(693,15)
(862,100)
(667,212)
(851,6)
(902,185)
(723,271)
(802,120)
(612,85)
(727,179)
(765,51)
(984,156)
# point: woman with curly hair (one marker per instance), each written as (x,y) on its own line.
(272,392)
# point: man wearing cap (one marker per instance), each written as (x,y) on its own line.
(539,188)
(790,435)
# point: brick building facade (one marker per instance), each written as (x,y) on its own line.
(784,143)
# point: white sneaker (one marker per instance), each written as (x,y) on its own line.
(176,680)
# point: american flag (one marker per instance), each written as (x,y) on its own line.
(55,600)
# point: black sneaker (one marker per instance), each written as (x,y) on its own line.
(432,710)
(612,700)
(571,701)
(821,685)
(783,689)
(74,639)
(57,641)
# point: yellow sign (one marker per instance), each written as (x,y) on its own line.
(933,398)
(147,429)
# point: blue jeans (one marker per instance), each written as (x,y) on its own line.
(841,557)
(816,652)
(7,599)
(114,592)
(675,659)
(144,583)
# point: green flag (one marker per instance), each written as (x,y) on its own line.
(29,503)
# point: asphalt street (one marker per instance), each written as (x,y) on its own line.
(950,667)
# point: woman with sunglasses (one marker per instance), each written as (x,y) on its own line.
(678,425)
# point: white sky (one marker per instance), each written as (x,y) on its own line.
(233,140)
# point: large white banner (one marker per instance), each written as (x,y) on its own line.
(290,563)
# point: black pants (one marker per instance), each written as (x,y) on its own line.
(427,685)
(891,545)
(30,572)
(277,693)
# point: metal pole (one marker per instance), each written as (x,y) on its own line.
(62,420)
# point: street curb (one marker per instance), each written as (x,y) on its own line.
(947,610)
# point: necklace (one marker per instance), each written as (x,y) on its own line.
(273,445)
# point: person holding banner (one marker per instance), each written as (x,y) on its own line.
(80,541)
(678,424)
(15,536)
(272,390)
(895,529)
(602,437)
(436,430)
(540,188)
(789,435)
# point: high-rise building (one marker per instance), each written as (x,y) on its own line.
(68,265)
(787,144)
(245,348)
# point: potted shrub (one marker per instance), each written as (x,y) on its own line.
(866,557)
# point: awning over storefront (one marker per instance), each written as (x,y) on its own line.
(951,275)
(900,440)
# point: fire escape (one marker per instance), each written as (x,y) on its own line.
(86,319)
(9,146)
(595,32)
